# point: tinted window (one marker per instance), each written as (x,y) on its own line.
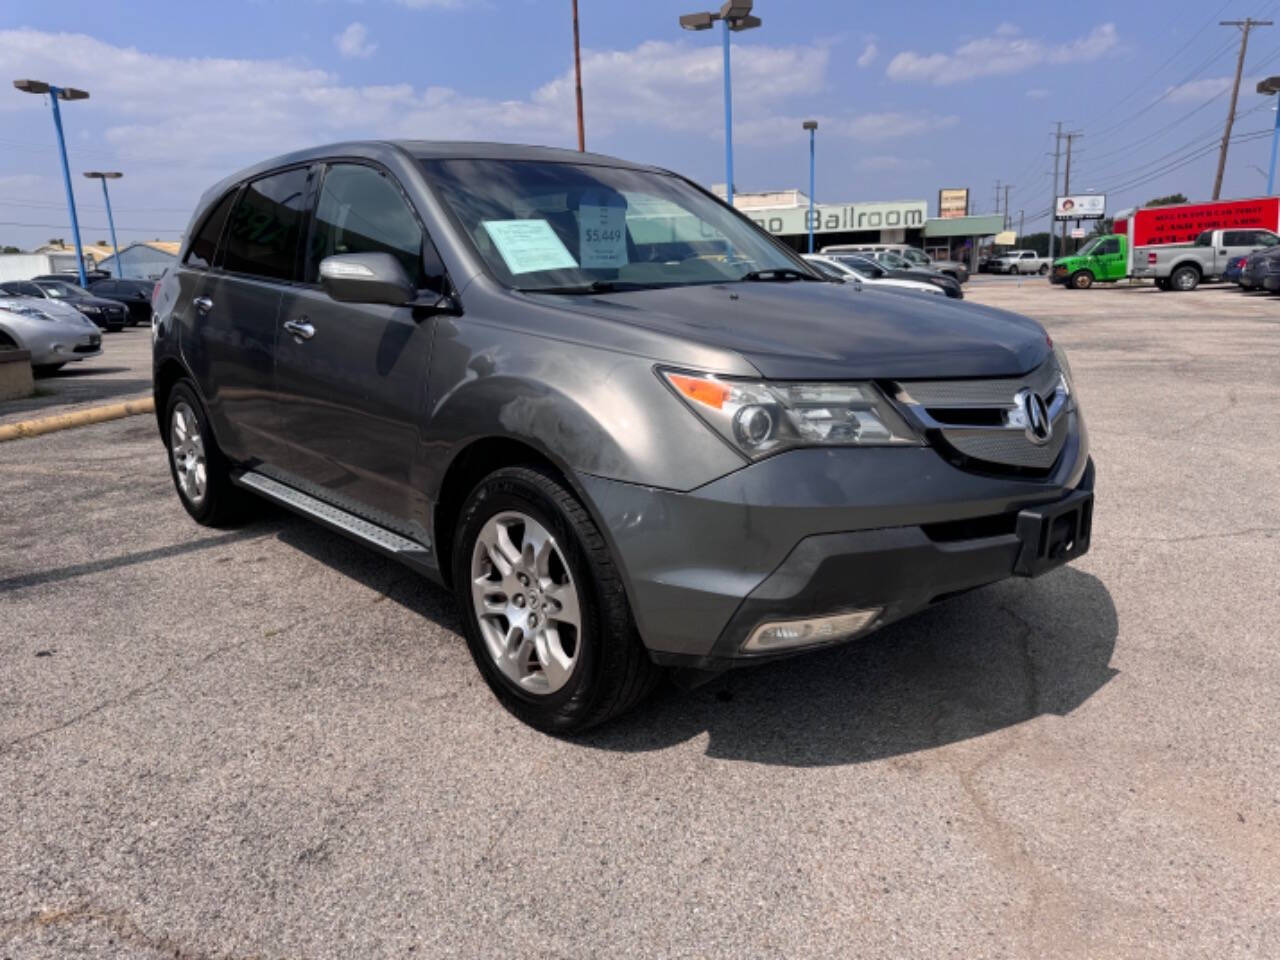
(1266,239)
(1111,245)
(103,287)
(1237,238)
(262,237)
(363,211)
(1205,239)
(26,289)
(206,241)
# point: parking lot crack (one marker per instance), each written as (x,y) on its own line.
(119,923)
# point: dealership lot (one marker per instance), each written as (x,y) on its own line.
(271,742)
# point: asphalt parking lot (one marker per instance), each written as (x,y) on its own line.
(269,742)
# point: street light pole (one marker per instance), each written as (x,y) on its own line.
(56,94)
(812,127)
(736,15)
(104,177)
(1269,87)
(577,77)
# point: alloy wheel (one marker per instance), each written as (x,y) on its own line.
(187,446)
(526,602)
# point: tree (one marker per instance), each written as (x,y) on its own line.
(1166,201)
(9,249)
(1103,227)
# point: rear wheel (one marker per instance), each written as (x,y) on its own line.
(1082,280)
(545,614)
(200,472)
(1044,268)
(1184,279)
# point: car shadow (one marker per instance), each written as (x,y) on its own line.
(72,372)
(981,662)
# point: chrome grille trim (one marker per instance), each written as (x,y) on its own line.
(1007,444)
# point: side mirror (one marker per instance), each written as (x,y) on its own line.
(366,278)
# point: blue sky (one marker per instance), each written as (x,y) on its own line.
(910,98)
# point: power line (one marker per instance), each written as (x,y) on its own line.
(83,226)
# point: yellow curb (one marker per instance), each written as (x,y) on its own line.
(80,418)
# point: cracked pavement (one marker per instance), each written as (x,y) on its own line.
(272,743)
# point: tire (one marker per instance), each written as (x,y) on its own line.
(44,369)
(1082,280)
(1044,269)
(610,671)
(213,500)
(1162,283)
(1184,279)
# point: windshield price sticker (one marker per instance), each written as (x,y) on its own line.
(602,236)
(528,246)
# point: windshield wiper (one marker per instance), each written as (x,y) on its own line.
(777,275)
(597,286)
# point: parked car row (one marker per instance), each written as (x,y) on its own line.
(898,266)
(54,332)
(111,304)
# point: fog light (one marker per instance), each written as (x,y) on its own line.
(781,634)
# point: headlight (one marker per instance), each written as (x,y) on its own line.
(761,418)
(88,308)
(1064,368)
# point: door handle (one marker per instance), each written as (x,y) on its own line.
(203,304)
(302,329)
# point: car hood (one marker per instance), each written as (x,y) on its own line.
(59,311)
(804,330)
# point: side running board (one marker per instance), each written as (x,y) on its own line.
(335,518)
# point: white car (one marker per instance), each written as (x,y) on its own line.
(840,267)
(55,333)
(1020,261)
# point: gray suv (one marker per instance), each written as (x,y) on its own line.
(628,429)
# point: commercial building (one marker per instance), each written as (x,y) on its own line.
(785,214)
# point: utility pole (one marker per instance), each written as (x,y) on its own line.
(1053,198)
(1245,26)
(1021,216)
(997,196)
(1007,219)
(1066,182)
(577,76)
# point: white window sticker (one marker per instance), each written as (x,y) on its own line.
(529,246)
(602,236)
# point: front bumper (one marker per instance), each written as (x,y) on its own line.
(62,345)
(815,532)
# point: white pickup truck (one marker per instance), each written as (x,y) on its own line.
(1182,266)
(1020,261)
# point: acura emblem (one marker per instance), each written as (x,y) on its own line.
(1034,416)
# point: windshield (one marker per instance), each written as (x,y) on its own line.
(864,267)
(915,256)
(549,227)
(1089,247)
(60,291)
(891,259)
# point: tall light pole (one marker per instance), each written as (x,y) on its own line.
(1270,87)
(736,16)
(104,176)
(812,127)
(56,94)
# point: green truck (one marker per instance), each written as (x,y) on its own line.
(1101,260)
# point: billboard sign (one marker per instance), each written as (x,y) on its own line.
(953,203)
(1082,206)
(842,218)
(1184,222)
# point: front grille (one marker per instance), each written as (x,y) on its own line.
(982,424)
(85,348)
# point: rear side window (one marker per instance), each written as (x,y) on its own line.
(206,242)
(262,238)
(363,211)
(1109,246)
(1237,238)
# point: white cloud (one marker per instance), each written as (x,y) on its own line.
(1038,93)
(1198,91)
(353,42)
(869,54)
(1006,51)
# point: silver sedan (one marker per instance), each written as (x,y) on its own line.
(55,334)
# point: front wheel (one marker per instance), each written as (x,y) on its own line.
(1082,280)
(1044,269)
(545,614)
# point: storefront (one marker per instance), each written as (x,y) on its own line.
(958,238)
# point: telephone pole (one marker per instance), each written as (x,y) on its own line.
(997,196)
(1245,26)
(1021,215)
(577,79)
(1006,205)
(1066,181)
(1053,198)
